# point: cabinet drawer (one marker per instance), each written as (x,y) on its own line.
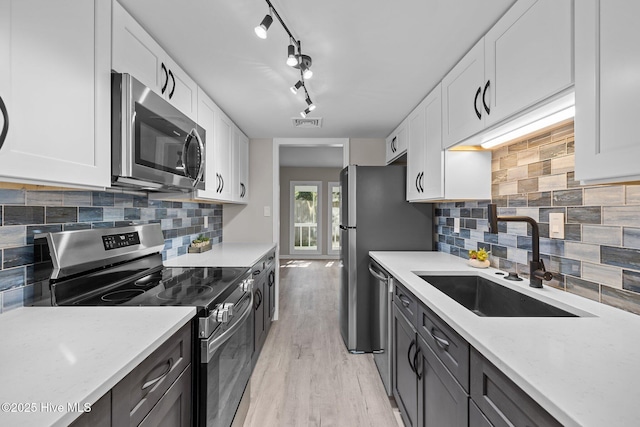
(451,348)
(476,417)
(174,408)
(135,396)
(406,302)
(500,400)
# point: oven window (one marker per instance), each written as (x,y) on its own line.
(159,143)
(225,377)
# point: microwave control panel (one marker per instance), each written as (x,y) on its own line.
(116,241)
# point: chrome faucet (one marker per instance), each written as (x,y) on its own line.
(537,272)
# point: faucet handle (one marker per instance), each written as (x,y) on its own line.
(544,274)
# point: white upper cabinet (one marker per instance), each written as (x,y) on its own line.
(397,143)
(435,174)
(607,91)
(528,56)
(523,60)
(56,85)
(134,51)
(218,150)
(463,112)
(242,166)
(415,152)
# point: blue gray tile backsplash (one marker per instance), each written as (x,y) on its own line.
(599,258)
(24,213)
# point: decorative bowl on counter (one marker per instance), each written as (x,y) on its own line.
(201,244)
(479,264)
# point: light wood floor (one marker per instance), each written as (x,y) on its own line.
(305,376)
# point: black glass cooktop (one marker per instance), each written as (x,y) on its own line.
(134,285)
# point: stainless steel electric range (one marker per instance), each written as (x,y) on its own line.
(123,267)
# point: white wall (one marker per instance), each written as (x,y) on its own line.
(367,152)
(247,223)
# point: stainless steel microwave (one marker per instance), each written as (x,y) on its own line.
(153,145)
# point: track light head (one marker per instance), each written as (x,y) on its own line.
(307,74)
(261,30)
(304,113)
(294,88)
(292,60)
(311,105)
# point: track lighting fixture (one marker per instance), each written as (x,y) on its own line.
(294,59)
(261,30)
(295,87)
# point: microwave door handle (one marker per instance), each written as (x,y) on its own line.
(201,148)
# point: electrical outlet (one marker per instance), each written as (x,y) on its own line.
(267,211)
(206,222)
(556,225)
(456,225)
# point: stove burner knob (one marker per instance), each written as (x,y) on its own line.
(220,315)
(229,307)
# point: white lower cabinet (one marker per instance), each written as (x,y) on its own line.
(607,91)
(437,174)
(55,83)
(134,51)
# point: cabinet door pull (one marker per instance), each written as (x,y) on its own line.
(420,181)
(416,358)
(484,101)
(442,343)
(5,125)
(166,78)
(404,300)
(413,343)
(475,103)
(393,145)
(162,375)
(242,190)
(218,180)
(222,180)
(173,88)
(417,186)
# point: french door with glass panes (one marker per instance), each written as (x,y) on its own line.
(333,245)
(305,231)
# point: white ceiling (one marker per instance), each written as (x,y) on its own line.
(373,61)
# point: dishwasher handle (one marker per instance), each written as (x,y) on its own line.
(378,275)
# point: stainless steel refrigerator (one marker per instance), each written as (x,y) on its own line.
(374,216)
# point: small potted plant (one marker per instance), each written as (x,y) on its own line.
(201,244)
(479,258)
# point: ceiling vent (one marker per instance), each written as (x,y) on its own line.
(308,122)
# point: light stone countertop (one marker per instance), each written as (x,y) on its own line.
(54,356)
(224,255)
(584,371)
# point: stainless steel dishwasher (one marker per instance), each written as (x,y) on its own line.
(382,287)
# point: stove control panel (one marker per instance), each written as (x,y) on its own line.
(115,241)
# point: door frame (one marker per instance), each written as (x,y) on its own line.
(329,233)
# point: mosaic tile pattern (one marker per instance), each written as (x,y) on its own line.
(24,213)
(599,258)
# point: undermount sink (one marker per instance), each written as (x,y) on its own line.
(490,299)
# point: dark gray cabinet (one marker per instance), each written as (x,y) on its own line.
(140,392)
(174,407)
(442,401)
(155,393)
(501,401)
(440,380)
(426,393)
(100,415)
(405,381)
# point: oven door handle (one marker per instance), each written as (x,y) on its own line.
(212,344)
